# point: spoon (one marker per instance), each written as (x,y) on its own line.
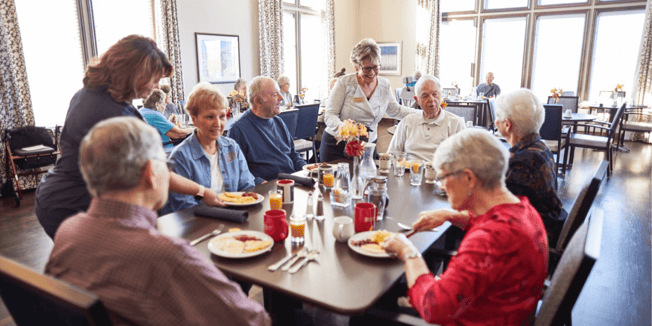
(301,254)
(311,256)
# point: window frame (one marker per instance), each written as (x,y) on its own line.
(298,10)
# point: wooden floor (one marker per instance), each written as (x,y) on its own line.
(618,291)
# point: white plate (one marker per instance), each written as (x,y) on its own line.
(212,245)
(305,167)
(362,236)
(257,201)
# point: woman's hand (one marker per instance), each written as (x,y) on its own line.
(211,199)
(435,218)
(399,245)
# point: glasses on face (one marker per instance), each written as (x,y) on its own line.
(439,180)
(369,69)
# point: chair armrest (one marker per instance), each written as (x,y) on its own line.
(593,126)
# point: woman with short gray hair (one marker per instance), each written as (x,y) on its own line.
(284,84)
(498,273)
(363,97)
(532,171)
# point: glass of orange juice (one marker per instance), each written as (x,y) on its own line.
(328,180)
(276,199)
(297,228)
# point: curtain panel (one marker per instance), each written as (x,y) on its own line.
(328,39)
(428,25)
(16,108)
(270,28)
(644,82)
(167,35)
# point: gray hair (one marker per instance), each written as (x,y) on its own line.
(256,87)
(423,80)
(365,49)
(238,83)
(283,80)
(477,150)
(523,108)
(115,151)
(416,74)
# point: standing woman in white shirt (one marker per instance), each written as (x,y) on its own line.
(363,97)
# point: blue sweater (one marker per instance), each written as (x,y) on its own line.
(267,146)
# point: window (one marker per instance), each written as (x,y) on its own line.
(504,4)
(557,56)
(502,57)
(559,2)
(303,39)
(53,81)
(458,52)
(615,52)
(457,5)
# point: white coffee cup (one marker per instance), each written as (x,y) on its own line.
(569,113)
(343,228)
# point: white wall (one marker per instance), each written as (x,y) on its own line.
(347,32)
(233,17)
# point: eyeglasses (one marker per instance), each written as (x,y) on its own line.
(440,180)
(369,69)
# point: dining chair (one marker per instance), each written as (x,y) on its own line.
(469,113)
(552,135)
(491,104)
(578,213)
(290,118)
(36,299)
(407,96)
(568,102)
(576,263)
(306,129)
(453,91)
(598,142)
(634,126)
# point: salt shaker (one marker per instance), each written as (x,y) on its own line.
(310,213)
(319,213)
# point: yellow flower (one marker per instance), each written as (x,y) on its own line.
(443,104)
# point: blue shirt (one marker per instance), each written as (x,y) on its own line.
(157,120)
(191,162)
(267,145)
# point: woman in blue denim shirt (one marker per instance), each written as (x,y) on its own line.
(206,157)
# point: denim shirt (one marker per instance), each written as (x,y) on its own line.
(191,162)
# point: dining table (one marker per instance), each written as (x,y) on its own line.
(342,280)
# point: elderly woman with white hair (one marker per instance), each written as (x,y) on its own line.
(497,276)
(531,172)
(363,97)
(284,84)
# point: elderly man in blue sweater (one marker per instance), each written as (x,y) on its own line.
(263,137)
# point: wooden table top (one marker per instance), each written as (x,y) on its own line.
(577,117)
(343,280)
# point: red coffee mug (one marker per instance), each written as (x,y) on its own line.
(275,224)
(365,217)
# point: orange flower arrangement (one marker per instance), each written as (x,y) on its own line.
(619,88)
(351,132)
(556,93)
(443,104)
(237,96)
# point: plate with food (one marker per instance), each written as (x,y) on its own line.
(370,243)
(315,166)
(240,244)
(241,198)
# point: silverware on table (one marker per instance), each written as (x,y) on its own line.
(311,256)
(212,234)
(301,254)
(277,265)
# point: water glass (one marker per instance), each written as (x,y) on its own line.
(429,173)
(385,162)
(416,172)
(398,160)
(297,228)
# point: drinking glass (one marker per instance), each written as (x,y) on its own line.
(416,172)
(276,199)
(384,162)
(429,173)
(297,228)
(398,161)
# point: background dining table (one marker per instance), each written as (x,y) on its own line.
(342,280)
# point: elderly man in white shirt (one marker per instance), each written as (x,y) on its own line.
(419,134)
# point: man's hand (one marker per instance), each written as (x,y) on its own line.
(435,218)
(211,199)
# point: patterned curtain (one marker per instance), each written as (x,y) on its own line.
(644,85)
(16,107)
(270,28)
(328,38)
(167,34)
(428,24)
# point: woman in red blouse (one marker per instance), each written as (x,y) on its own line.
(497,276)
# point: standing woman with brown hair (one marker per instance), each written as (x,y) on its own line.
(129,70)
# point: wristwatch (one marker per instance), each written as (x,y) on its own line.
(200,193)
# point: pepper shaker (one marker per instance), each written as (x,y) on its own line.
(319,213)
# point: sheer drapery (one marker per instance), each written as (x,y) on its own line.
(167,38)
(644,82)
(16,107)
(270,28)
(328,37)
(427,35)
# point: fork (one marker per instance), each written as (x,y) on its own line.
(212,234)
(311,256)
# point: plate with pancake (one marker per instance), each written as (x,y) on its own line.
(240,244)
(240,198)
(369,243)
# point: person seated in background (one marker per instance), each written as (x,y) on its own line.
(531,172)
(419,134)
(206,157)
(416,75)
(284,84)
(497,276)
(263,137)
(241,86)
(152,112)
(336,76)
(115,251)
(489,88)
(171,110)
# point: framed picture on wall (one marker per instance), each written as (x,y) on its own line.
(218,57)
(390,61)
